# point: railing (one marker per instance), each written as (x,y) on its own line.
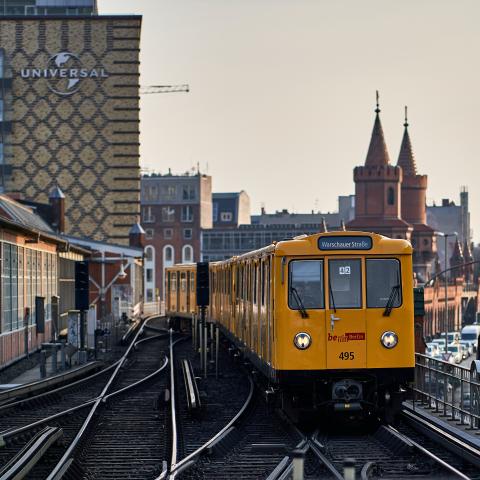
(450,390)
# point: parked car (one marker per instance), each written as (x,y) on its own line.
(432,349)
(452,336)
(457,352)
(469,346)
(441,344)
(471,332)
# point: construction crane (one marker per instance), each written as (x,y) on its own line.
(151,89)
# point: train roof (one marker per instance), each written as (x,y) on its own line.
(336,243)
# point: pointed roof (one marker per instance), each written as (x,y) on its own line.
(457,252)
(136,229)
(467,252)
(56,192)
(406,160)
(377,154)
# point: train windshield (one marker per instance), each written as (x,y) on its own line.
(383,283)
(306,285)
(345,283)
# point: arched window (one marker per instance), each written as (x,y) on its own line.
(149,254)
(168,255)
(391,196)
(187,254)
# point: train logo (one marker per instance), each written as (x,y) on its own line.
(347,337)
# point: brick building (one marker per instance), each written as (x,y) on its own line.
(391,199)
(69,83)
(174,210)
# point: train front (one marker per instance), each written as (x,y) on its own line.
(344,329)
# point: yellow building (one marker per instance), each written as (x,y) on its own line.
(70,116)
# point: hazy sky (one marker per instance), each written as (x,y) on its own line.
(283,92)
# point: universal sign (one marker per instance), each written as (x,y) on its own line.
(64,73)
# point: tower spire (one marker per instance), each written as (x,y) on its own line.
(377,154)
(406,159)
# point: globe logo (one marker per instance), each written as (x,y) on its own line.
(69,69)
(64,73)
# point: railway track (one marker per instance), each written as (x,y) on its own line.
(72,420)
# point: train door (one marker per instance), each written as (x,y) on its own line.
(188,291)
(345,322)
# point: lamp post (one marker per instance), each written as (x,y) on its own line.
(445,236)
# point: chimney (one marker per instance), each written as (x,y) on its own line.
(445,202)
(263,211)
(57,206)
(136,236)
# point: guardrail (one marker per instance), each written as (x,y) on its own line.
(450,390)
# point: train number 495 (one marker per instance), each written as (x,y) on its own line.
(347,356)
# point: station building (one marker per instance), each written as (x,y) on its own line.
(69,112)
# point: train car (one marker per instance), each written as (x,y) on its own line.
(327,318)
(180,287)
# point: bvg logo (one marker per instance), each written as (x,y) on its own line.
(64,73)
(347,337)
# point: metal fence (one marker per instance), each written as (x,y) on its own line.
(450,390)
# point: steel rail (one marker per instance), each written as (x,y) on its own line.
(14,432)
(67,459)
(31,454)
(317,448)
(190,459)
(427,453)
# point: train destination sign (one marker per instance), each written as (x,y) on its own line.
(346,242)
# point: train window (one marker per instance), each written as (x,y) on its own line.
(306,284)
(383,283)
(183,281)
(174,282)
(255,278)
(345,283)
(192,281)
(263,267)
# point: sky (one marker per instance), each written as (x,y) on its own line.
(282,93)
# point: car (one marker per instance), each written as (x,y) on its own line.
(456,350)
(471,333)
(465,353)
(441,344)
(452,336)
(469,346)
(432,349)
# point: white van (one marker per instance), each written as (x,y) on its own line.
(470,333)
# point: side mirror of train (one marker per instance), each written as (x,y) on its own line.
(418,302)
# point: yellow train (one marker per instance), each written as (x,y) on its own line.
(327,318)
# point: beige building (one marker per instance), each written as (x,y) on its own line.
(70,117)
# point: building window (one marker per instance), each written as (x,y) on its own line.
(187,214)
(149,295)
(215,212)
(391,196)
(188,192)
(151,193)
(149,275)
(187,233)
(168,254)
(169,193)
(226,216)
(149,254)
(187,254)
(167,233)
(149,233)
(147,215)
(168,214)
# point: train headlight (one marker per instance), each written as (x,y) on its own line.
(389,339)
(302,340)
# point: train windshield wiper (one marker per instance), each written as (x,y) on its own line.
(301,309)
(391,300)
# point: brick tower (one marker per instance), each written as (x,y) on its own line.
(378,190)
(414,209)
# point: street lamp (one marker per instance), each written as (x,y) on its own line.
(445,236)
